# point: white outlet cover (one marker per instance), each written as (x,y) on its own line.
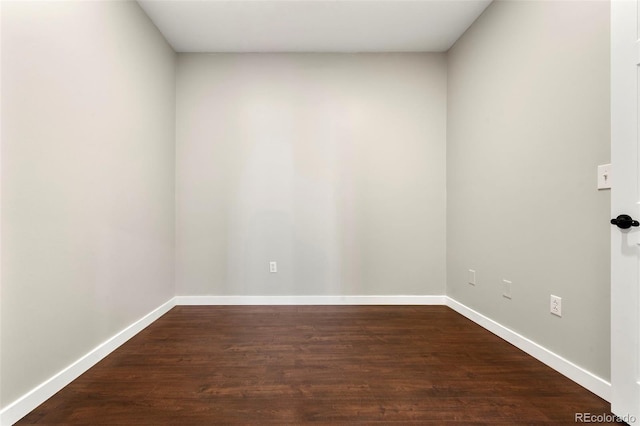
(555,305)
(604,176)
(472,277)
(273,267)
(506,289)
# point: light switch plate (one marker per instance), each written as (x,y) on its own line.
(604,176)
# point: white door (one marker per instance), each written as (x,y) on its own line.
(625,199)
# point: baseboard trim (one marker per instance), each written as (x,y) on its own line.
(311,300)
(584,378)
(28,402)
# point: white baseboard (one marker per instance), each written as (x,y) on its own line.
(310,300)
(591,382)
(25,404)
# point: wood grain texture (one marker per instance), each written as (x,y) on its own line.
(202,365)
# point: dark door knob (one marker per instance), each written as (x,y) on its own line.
(624,221)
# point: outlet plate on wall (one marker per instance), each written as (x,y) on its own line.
(555,305)
(472,277)
(273,267)
(506,289)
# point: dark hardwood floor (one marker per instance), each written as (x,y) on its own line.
(317,364)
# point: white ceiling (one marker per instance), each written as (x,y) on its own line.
(313,25)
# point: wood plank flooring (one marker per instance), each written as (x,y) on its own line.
(204,365)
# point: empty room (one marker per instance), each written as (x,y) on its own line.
(321,211)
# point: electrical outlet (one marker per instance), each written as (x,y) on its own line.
(273,267)
(555,306)
(506,289)
(472,277)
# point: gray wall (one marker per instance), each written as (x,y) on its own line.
(528,122)
(88,123)
(331,165)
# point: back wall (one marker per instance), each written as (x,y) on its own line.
(333,165)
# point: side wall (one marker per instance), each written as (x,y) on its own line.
(333,165)
(528,123)
(88,126)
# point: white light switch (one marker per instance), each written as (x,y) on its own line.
(604,176)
